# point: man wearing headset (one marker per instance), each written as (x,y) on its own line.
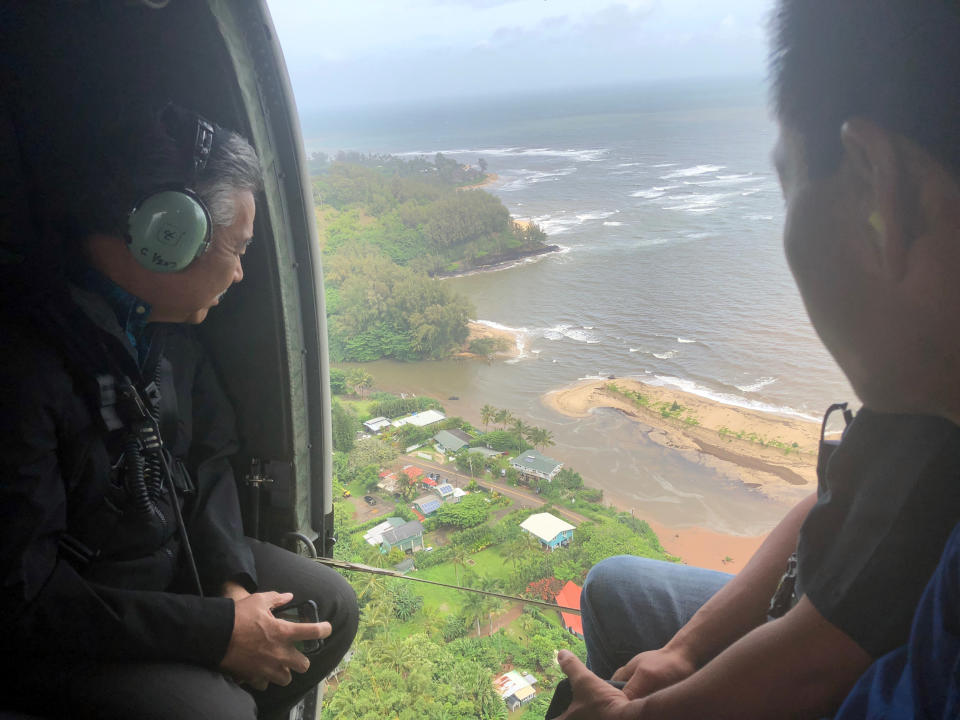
(128,589)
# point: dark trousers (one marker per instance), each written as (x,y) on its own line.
(163,691)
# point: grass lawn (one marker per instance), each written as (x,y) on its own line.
(360,408)
(357,489)
(490,563)
(437,600)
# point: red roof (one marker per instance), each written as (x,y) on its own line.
(412,472)
(384,473)
(569,596)
(420,517)
(428,481)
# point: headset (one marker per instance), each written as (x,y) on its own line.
(171,227)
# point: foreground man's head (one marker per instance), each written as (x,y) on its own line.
(869,160)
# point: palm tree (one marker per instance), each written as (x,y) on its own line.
(475,605)
(502,418)
(491,604)
(487,413)
(540,438)
(519,427)
(360,380)
(459,559)
(366,382)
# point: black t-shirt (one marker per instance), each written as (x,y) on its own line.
(887,504)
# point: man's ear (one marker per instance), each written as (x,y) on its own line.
(873,163)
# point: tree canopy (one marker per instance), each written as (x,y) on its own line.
(387,225)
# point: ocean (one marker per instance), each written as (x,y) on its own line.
(667,208)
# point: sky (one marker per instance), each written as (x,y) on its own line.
(343,53)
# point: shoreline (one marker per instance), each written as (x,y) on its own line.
(490,179)
(502,262)
(699,547)
(480,329)
(773,453)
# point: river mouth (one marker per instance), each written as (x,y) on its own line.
(612,452)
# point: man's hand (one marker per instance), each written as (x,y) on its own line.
(261,648)
(234,590)
(594,699)
(654,670)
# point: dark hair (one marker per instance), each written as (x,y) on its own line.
(149,147)
(892,61)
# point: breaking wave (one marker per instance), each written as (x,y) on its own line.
(694,171)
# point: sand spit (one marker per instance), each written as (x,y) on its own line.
(480,330)
(774,453)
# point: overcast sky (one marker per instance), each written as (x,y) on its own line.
(350,52)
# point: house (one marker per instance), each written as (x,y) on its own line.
(459,494)
(551,531)
(408,537)
(515,689)
(389,482)
(532,466)
(413,473)
(462,435)
(569,596)
(428,504)
(376,424)
(420,419)
(445,491)
(374,536)
(448,443)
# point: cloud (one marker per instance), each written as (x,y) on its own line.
(342,53)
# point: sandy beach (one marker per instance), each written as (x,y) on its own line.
(707,549)
(490,179)
(774,453)
(479,330)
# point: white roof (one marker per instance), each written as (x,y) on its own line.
(459,492)
(546,526)
(377,423)
(421,419)
(510,683)
(374,536)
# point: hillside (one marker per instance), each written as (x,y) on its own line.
(388,227)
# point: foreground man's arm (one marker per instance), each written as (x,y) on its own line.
(799,666)
(739,607)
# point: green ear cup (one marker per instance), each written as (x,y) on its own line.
(168,230)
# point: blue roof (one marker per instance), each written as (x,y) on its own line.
(429,506)
(444,489)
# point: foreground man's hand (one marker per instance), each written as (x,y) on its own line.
(261,649)
(594,699)
(650,671)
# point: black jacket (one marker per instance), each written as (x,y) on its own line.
(132,599)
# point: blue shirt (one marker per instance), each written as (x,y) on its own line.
(922,678)
(131,311)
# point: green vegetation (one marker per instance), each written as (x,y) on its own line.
(429,652)
(345,427)
(425,651)
(379,309)
(668,410)
(488,345)
(392,406)
(760,440)
(388,224)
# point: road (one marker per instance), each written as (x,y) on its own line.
(531,499)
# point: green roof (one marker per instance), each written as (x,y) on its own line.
(449,441)
(532,460)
